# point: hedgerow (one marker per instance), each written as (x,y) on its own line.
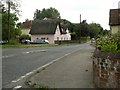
(109,43)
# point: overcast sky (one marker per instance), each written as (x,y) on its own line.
(96,11)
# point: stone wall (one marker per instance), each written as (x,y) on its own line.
(106,68)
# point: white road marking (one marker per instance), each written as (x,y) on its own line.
(28,52)
(34,51)
(25,52)
(40,51)
(67,54)
(13,81)
(17,87)
(28,73)
(8,56)
(17,80)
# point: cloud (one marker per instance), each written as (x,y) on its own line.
(91,10)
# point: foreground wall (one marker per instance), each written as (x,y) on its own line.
(106,68)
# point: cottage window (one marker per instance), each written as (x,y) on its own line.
(42,38)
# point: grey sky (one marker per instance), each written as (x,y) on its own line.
(91,10)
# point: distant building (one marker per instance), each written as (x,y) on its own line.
(114,20)
(25,28)
(49,29)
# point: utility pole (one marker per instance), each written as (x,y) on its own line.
(80,31)
(80,18)
(8,21)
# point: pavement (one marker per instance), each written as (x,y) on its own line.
(71,71)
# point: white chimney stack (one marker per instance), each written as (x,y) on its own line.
(119,4)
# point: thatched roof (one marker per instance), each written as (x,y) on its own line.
(45,26)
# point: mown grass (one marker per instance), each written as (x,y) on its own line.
(26,45)
(31,45)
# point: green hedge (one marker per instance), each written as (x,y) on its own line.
(109,43)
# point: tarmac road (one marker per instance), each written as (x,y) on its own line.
(17,62)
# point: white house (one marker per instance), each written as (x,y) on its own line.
(50,29)
(25,28)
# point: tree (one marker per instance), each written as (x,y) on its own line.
(46,13)
(81,29)
(10,5)
(95,30)
(84,31)
(105,32)
(19,25)
(76,29)
(12,30)
(6,6)
(68,24)
(0,26)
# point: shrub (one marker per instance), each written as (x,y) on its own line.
(13,42)
(111,43)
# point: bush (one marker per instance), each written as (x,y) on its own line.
(111,43)
(13,42)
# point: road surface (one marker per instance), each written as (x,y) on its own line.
(17,62)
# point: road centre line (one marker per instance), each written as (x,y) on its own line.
(33,51)
(8,56)
(12,55)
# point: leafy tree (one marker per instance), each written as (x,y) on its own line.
(0,26)
(84,30)
(76,30)
(19,25)
(12,32)
(68,24)
(95,30)
(81,29)
(105,32)
(10,5)
(6,6)
(46,13)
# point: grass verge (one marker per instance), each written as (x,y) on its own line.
(26,45)
(31,45)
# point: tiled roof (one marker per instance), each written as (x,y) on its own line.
(45,26)
(114,18)
(27,24)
